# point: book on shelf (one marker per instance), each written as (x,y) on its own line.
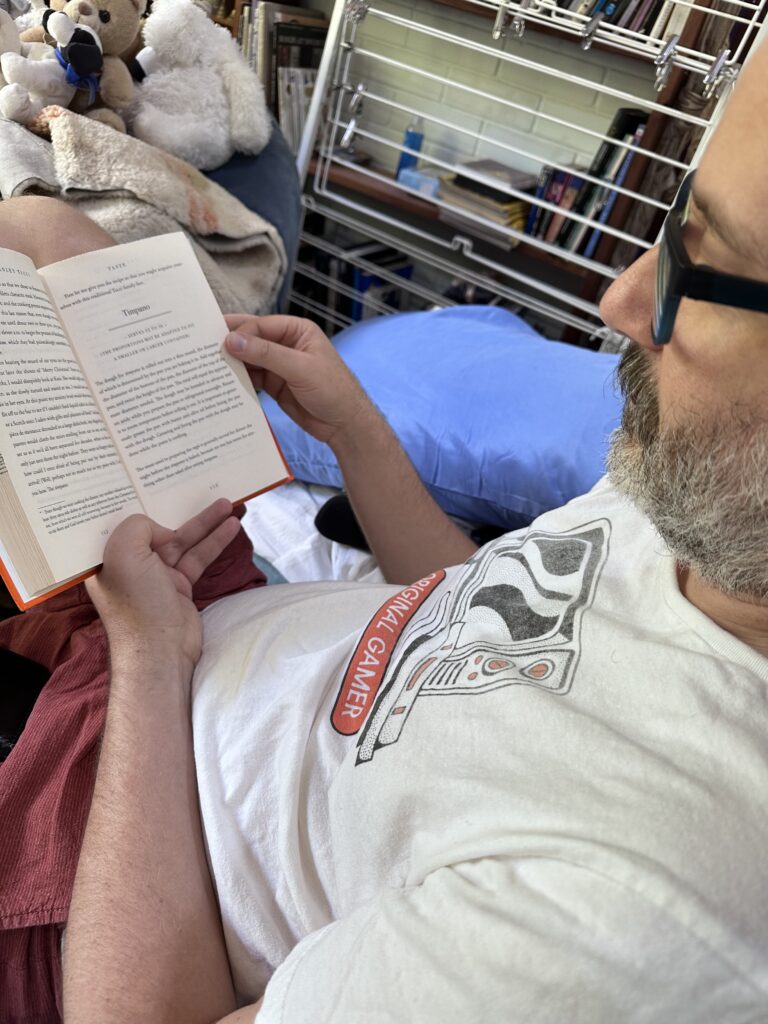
(294,94)
(296,43)
(511,177)
(608,204)
(641,14)
(624,122)
(598,194)
(534,214)
(115,398)
(553,194)
(670,21)
(510,213)
(258,41)
(627,14)
(244,29)
(466,192)
(571,188)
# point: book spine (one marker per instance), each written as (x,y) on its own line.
(534,214)
(552,195)
(640,15)
(629,13)
(605,213)
(677,21)
(570,192)
(661,20)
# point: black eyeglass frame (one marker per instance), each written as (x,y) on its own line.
(678,278)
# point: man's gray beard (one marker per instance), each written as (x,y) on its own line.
(703,484)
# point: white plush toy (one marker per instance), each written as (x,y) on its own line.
(30,75)
(200,100)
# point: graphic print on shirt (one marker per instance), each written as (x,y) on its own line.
(512,618)
(373,652)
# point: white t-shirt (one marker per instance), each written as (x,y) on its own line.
(530,788)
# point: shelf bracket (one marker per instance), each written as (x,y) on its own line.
(349,134)
(501,24)
(356,102)
(590,30)
(518,22)
(717,75)
(356,10)
(664,62)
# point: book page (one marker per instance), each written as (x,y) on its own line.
(148,333)
(22,555)
(63,465)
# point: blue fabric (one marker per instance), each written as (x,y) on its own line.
(268,184)
(501,424)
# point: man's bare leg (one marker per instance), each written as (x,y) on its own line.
(48,230)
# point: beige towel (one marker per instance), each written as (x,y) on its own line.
(133,191)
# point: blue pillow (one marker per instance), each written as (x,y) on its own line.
(500,423)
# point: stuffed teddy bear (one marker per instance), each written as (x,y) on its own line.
(30,74)
(201,102)
(118,25)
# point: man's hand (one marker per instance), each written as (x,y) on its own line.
(293,361)
(143,592)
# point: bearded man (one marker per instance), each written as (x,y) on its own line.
(530,787)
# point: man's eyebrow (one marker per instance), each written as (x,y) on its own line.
(744,242)
(724,231)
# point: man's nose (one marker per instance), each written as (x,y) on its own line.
(627,306)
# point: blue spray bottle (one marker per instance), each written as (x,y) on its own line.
(413,139)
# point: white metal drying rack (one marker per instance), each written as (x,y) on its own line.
(344,94)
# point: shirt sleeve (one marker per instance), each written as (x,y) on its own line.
(536,941)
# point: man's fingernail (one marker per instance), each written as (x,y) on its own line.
(236,343)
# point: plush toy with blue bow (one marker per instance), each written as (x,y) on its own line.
(78,51)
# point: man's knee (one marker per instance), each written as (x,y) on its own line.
(47,229)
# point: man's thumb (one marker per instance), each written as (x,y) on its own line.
(259,352)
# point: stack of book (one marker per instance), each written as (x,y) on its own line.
(274,37)
(657,19)
(465,193)
(572,193)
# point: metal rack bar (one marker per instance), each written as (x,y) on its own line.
(426,294)
(530,65)
(338,319)
(511,104)
(431,257)
(483,179)
(545,12)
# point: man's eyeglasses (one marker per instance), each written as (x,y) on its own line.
(677,277)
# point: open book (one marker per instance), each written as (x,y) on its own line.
(115,397)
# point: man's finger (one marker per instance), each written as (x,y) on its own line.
(196,560)
(193,531)
(288,331)
(262,353)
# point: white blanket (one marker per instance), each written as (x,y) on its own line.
(281,525)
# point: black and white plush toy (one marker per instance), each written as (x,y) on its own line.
(78,50)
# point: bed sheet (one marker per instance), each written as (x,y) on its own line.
(281,526)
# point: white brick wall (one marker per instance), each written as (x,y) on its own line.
(490,123)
